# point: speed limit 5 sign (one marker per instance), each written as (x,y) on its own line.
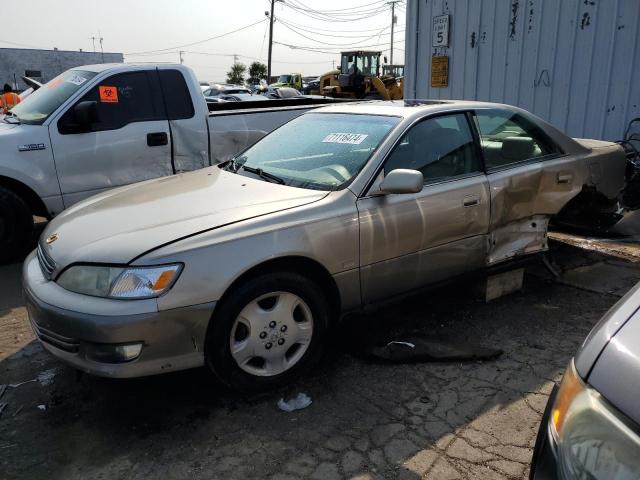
(441,31)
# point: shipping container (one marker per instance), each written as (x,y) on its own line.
(575,63)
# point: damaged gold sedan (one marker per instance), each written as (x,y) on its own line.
(243,266)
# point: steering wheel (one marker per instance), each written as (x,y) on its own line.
(339,172)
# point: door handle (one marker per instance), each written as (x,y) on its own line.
(564,178)
(471,200)
(157,139)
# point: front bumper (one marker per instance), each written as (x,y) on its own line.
(544,465)
(171,339)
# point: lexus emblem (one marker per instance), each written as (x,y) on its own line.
(52,238)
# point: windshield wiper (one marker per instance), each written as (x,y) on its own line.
(262,174)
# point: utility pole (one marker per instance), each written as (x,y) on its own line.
(393,22)
(101,49)
(273,2)
(93,41)
(181,52)
(235,58)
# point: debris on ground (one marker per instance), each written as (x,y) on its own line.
(42,407)
(296,403)
(421,348)
(46,377)
(3,388)
(2,407)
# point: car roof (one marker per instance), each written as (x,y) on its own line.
(407,108)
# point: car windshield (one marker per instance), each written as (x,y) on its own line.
(38,106)
(284,79)
(318,151)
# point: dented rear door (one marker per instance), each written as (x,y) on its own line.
(530,179)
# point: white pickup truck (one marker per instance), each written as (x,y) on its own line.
(102,126)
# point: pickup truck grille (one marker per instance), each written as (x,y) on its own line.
(67,344)
(47,265)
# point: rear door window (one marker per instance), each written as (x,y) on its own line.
(508,138)
(176,95)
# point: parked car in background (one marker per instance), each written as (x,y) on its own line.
(244,266)
(204,85)
(98,127)
(220,89)
(312,85)
(242,97)
(281,92)
(591,426)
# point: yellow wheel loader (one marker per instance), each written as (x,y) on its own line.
(359,77)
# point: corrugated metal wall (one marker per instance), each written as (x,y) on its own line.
(575,63)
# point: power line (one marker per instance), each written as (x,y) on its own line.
(335,35)
(198,42)
(334,50)
(290,22)
(321,42)
(334,17)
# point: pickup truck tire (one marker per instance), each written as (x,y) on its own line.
(267,332)
(16,226)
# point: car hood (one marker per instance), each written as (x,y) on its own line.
(122,224)
(620,359)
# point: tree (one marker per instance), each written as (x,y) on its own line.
(236,74)
(257,71)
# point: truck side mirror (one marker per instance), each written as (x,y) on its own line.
(85,114)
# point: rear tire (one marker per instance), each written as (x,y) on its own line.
(16,226)
(267,332)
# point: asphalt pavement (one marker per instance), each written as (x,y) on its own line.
(368,419)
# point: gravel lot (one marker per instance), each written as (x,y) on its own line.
(368,420)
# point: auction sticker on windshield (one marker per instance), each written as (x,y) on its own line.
(76,80)
(108,94)
(351,138)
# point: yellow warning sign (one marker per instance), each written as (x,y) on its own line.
(108,94)
(440,71)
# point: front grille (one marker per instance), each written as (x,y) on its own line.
(67,344)
(47,265)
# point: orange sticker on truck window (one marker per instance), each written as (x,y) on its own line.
(108,94)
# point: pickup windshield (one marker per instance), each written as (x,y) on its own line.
(319,151)
(284,79)
(38,106)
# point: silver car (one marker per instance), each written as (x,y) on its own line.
(245,265)
(591,426)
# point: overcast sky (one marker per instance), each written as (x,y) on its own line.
(134,26)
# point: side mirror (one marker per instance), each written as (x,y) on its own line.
(402,180)
(385,59)
(85,114)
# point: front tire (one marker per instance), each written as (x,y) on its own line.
(16,226)
(267,332)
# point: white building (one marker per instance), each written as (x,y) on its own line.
(575,63)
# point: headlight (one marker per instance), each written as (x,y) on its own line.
(119,282)
(594,441)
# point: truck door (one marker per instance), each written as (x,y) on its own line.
(530,179)
(189,133)
(116,134)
